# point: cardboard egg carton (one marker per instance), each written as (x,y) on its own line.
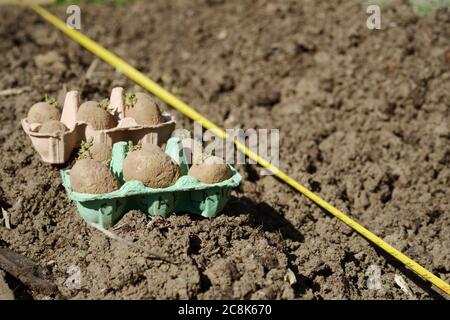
(186,195)
(57,147)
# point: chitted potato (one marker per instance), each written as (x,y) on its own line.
(150,147)
(96,115)
(91,176)
(151,166)
(97,151)
(42,112)
(52,126)
(212,170)
(142,108)
(100,152)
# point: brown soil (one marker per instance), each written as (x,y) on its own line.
(364,119)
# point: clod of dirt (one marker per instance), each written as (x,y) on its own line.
(52,126)
(94,114)
(142,108)
(42,112)
(50,59)
(92,176)
(100,152)
(151,166)
(212,170)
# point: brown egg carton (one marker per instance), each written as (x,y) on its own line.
(57,147)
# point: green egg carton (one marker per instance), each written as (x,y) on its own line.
(186,195)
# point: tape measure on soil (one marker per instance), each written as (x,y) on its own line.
(190,112)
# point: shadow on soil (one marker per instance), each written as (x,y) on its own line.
(264,216)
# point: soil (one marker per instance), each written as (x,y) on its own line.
(364,121)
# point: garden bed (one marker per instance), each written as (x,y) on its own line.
(364,122)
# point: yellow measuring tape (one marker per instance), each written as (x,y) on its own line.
(187,110)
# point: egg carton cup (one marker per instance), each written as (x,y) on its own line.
(186,195)
(57,147)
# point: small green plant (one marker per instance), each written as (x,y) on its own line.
(104,104)
(51,101)
(89,150)
(129,100)
(134,147)
(84,149)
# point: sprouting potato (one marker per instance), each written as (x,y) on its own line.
(151,166)
(52,126)
(212,170)
(93,177)
(44,111)
(142,108)
(95,150)
(97,115)
(101,152)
